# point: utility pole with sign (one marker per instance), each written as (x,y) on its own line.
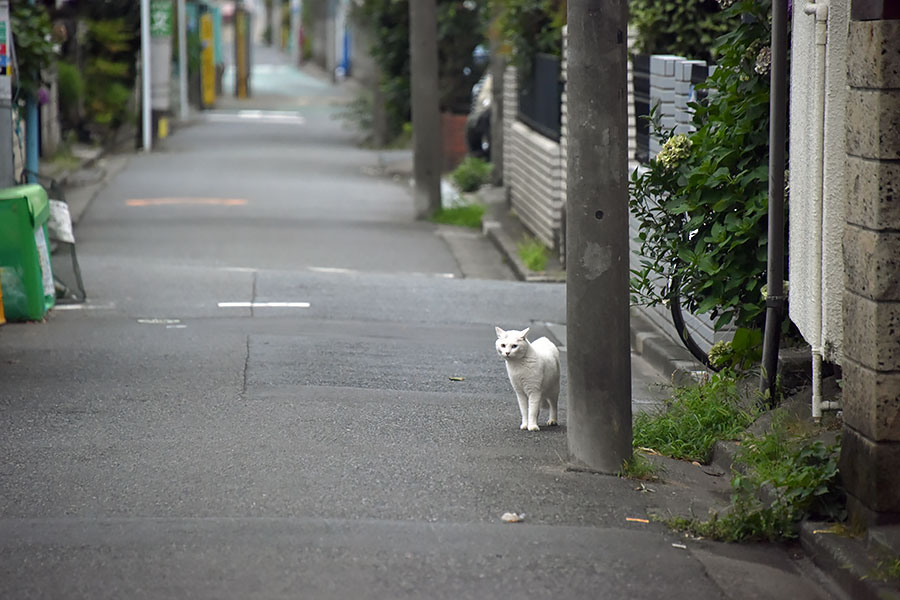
(160,63)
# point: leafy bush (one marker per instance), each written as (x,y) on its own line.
(108,76)
(71,92)
(471,174)
(693,420)
(686,28)
(739,354)
(529,27)
(702,203)
(31,28)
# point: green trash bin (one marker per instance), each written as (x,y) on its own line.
(25,274)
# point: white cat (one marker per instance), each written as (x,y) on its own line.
(533,369)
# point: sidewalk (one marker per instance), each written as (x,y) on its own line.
(850,562)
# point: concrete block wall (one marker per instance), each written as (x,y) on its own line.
(672,87)
(533,172)
(685,93)
(662,92)
(870,452)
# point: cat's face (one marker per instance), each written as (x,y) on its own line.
(511,344)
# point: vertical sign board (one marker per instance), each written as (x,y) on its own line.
(5,62)
(160,54)
(207,60)
(7,160)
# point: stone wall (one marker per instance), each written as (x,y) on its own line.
(870,453)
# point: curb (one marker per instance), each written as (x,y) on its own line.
(494,231)
(846,561)
(662,352)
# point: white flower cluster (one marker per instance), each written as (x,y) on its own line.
(675,149)
(763,60)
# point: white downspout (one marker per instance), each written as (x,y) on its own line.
(819,8)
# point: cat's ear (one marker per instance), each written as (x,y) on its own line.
(524,333)
(500,332)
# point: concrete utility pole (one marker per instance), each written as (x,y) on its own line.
(183,110)
(146,120)
(426,118)
(597,288)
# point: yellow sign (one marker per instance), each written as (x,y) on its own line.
(240,26)
(207,60)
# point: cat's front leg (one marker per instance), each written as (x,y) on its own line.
(534,407)
(552,404)
(523,409)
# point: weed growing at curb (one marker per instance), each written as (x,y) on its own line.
(694,419)
(465,215)
(800,476)
(533,253)
(886,570)
(639,468)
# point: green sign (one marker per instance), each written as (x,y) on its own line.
(161,18)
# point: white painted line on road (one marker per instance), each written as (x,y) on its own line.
(342,271)
(333,270)
(109,306)
(186,202)
(264,116)
(176,326)
(264,305)
(158,321)
(238,269)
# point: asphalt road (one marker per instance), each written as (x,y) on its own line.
(157,443)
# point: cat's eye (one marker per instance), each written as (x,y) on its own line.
(503,345)
(515,346)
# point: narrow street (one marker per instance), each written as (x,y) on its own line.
(284,386)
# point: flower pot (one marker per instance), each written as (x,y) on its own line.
(453,136)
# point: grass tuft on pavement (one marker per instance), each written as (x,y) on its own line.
(466,215)
(693,420)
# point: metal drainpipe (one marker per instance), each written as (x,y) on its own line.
(775,299)
(819,8)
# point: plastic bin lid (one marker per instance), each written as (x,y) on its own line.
(35,196)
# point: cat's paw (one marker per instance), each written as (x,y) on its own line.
(533,428)
(552,423)
(523,426)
